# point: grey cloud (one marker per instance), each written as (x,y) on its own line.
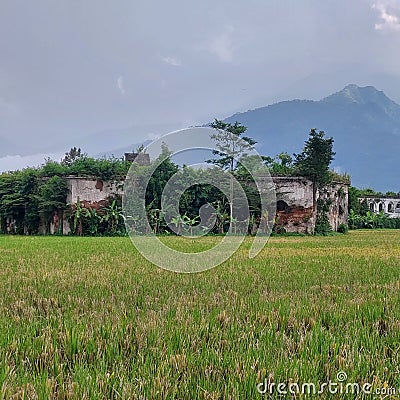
(73,70)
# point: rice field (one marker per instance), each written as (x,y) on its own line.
(89,318)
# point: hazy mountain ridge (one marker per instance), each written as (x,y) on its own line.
(364,122)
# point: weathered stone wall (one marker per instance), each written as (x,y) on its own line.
(337,195)
(294,203)
(294,197)
(91,190)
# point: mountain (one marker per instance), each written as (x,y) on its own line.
(363,121)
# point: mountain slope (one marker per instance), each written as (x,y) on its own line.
(363,121)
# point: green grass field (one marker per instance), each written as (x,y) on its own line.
(88,318)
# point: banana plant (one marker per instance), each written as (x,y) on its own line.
(94,219)
(233,221)
(221,215)
(112,215)
(78,214)
(131,221)
(190,222)
(178,222)
(370,220)
(156,217)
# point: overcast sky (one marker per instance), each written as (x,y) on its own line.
(104,74)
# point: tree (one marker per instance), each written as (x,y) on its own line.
(231,146)
(230,143)
(79,212)
(358,207)
(159,178)
(12,201)
(140,149)
(52,198)
(113,216)
(72,155)
(313,162)
(281,164)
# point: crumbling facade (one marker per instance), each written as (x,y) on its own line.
(294,202)
(295,208)
(388,205)
(91,192)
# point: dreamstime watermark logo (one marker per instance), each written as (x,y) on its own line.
(338,386)
(142,216)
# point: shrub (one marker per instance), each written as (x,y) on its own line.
(322,225)
(343,228)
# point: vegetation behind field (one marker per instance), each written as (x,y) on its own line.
(31,198)
(84,317)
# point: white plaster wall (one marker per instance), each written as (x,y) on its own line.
(374,202)
(295,191)
(91,189)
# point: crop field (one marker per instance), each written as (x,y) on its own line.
(89,318)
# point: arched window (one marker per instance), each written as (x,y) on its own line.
(380,207)
(282,206)
(398,207)
(372,206)
(390,208)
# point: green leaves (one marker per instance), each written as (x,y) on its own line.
(73,155)
(230,143)
(371,220)
(113,216)
(313,162)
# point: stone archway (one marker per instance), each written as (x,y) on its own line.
(282,206)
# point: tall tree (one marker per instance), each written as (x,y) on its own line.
(314,161)
(72,155)
(231,145)
(52,198)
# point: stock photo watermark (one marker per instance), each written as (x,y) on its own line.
(185,143)
(338,386)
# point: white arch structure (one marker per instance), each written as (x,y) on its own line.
(389,205)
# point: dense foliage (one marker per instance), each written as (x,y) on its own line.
(33,195)
(361,217)
(313,162)
(31,199)
(372,220)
